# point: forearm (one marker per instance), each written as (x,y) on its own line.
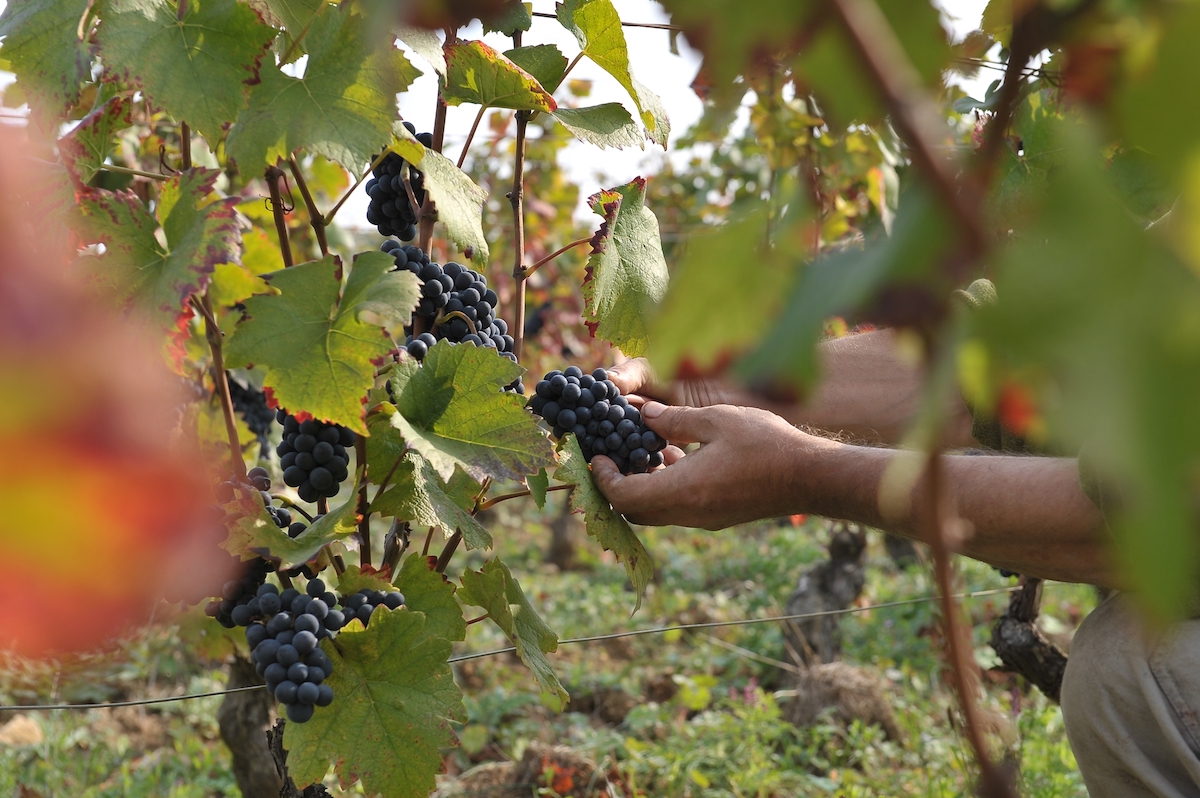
(1027,514)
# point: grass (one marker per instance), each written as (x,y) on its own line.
(720,734)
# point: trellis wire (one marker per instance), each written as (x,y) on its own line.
(568,641)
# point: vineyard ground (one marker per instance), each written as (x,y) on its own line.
(713,737)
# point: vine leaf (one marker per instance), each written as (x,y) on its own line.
(607,125)
(258,534)
(597,27)
(514,16)
(425,590)
(686,332)
(418,495)
(160,280)
(452,411)
(343,107)
(603,522)
(90,142)
(293,15)
(353,579)
(321,341)
(394,697)
(42,45)
(198,68)
(545,62)
(458,199)
(426,44)
(538,484)
(495,589)
(475,73)
(626,272)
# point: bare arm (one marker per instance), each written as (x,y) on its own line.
(868,392)
(1028,514)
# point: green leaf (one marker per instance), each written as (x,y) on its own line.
(259,534)
(427,591)
(198,235)
(626,272)
(998,20)
(597,27)
(426,44)
(538,484)
(846,282)
(712,312)
(832,69)
(458,199)
(90,143)
(603,522)
(512,17)
(353,580)
(320,341)
(42,45)
(343,107)
(198,69)
(607,125)
(418,495)
(294,15)
(475,73)
(545,62)
(495,589)
(394,700)
(452,411)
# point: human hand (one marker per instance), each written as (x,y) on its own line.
(750,465)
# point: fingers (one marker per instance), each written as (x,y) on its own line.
(672,455)
(614,485)
(682,424)
(636,376)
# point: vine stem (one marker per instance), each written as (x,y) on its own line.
(556,253)
(350,191)
(364,505)
(185,143)
(492,502)
(212,333)
(273,175)
(314,215)
(570,66)
(483,617)
(428,213)
(937,517)
(125,170)
(517,200)
(428,538)
(448,552)
(653,25)
(462,156)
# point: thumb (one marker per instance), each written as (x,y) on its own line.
(606,475)
(682,424)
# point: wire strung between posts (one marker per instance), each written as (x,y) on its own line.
(568,641)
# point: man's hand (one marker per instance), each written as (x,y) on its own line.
(748,467)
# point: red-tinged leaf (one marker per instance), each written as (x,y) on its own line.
(626,272)
(87,146)
(160,281)
(42,43)
(475,73)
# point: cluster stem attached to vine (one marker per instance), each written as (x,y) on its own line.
(273,175)
(517,200)
(314,214)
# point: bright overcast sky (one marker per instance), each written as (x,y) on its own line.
(668,75)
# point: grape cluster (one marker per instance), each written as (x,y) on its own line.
(285,648)
(313,456)
(251,403)
(361,604)
(390,209)
(592,407)
(461,299)
(238,605)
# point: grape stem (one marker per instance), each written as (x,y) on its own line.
(350,191)
(124,170)
(408,189)
(273,176)
(364,505)
(448,552)
(454,314)
(462,156)
(314,215)
(322,505)
(428,538)
(291,505)
(483,617)
(492,502)
(212,333)
(530,270)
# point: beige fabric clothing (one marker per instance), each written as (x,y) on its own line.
(1131,705)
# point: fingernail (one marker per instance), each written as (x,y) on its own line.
(653,409)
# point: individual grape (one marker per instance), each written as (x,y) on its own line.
(308,693)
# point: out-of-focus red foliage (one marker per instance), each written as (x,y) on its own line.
(99,513)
